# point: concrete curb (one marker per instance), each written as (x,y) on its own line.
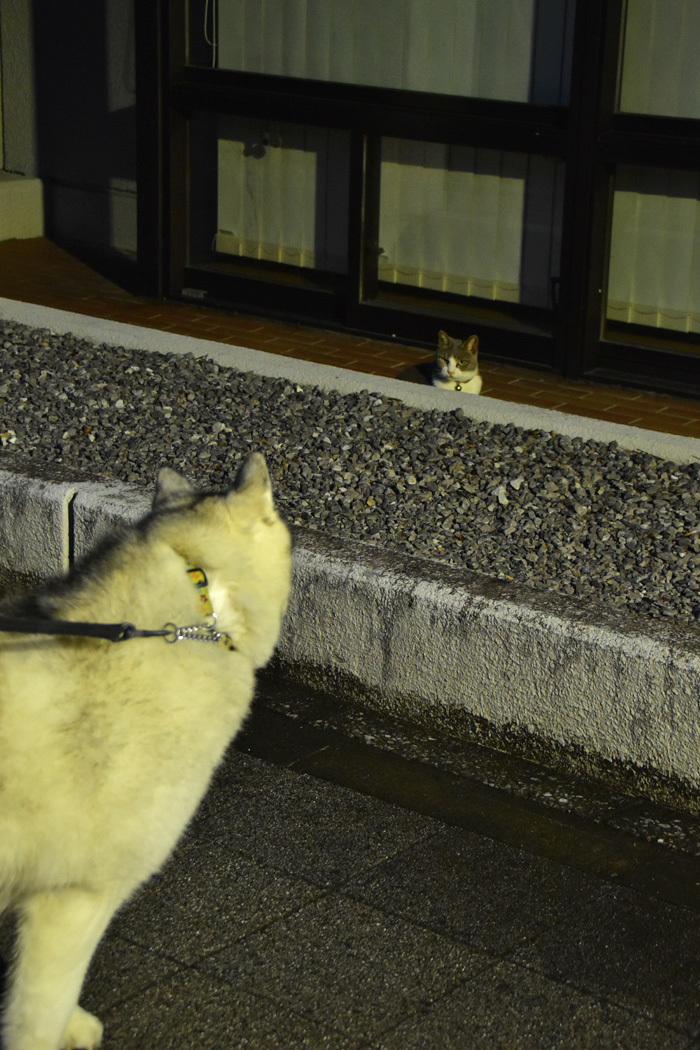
(34,524)
(428,641)
(343,380)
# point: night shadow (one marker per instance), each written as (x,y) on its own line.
(85,126)
(421,373)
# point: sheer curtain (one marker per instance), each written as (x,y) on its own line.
(282,193)
(470,222)
(661,59)
(655,247)
(462,47)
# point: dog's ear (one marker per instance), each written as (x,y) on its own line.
(171,489)
(253,473)
(253,481)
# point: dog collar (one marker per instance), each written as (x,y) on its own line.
(200,632)
(199,579)
(121,632)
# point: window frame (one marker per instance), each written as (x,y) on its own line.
(574,339)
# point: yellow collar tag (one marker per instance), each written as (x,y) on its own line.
(206,631)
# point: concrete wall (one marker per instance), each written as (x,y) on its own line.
(69,113)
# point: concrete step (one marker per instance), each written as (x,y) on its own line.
(21,206)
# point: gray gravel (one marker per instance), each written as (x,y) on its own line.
(579,517)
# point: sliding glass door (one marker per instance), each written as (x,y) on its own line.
(528,170)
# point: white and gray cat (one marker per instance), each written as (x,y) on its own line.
(457,364)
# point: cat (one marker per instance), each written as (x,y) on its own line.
(457,365)
(454,367)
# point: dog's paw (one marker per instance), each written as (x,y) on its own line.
(83,1032)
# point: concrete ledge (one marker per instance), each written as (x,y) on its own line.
(428,641)
(97,510)
(21,206)
(34,524)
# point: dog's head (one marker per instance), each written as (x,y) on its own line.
(241,543)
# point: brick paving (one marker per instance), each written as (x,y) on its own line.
(38,271)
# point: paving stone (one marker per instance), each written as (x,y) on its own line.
(347,966)
(509,1008)
(192,1010)
(639,953)
(298,824)
(209,895)
(482,893)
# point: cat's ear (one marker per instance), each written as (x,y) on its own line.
(472,344)
(444,341)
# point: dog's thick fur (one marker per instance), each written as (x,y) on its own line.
(107,748)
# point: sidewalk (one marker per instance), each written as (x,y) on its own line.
(300,913)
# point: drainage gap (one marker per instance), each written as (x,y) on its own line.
(69,531)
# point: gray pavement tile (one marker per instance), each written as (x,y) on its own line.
(509,1008)
(120,971)
(300,824)
(347,966)
(208,896)
(485,894)
(637,952)
(191,1010)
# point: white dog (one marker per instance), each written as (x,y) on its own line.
(106,749)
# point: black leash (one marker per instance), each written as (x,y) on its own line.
(122,632)
(113,632)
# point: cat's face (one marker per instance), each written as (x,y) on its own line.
(456,360)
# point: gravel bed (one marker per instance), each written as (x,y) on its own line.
(579,517)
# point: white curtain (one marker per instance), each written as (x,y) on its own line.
(472,222)
(462,47)
(282,193)
(661,63)
(451,218)
(655,249)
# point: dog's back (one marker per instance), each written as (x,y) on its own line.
(106,749)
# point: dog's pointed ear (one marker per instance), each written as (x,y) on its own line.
(253,472)
(253,481)
(171,489)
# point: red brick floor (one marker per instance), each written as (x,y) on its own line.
(37,271)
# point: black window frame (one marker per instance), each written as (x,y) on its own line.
(574,339)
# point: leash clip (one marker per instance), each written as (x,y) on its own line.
(197,632)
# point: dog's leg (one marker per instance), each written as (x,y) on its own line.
(58,934)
